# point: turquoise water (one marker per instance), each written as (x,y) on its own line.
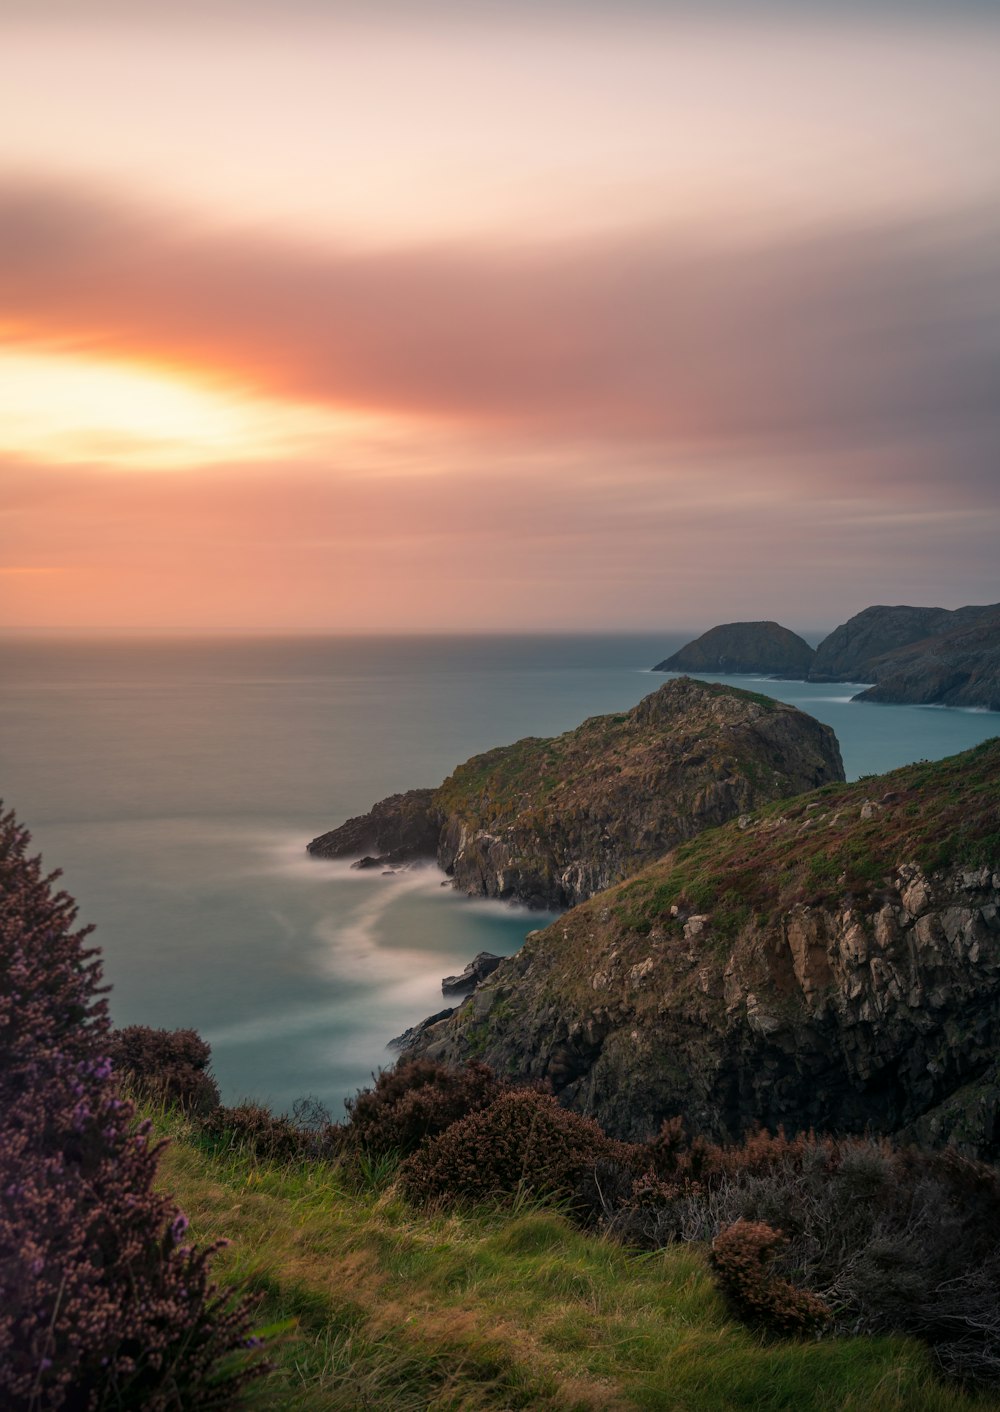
(176,783)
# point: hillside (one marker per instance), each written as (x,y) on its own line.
(551,821)
(744,647)
(960,667)
(861,648)
(833,961)
(395,1309)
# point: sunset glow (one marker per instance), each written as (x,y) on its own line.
(400,318)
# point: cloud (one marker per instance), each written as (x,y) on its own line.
(837,337)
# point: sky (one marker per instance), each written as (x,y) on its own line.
(338,317)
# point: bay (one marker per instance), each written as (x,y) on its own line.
(176,781)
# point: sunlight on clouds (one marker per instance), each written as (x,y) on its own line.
(63,409)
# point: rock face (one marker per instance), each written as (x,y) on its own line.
(957,668)
(856,651)
(402,827)
(549,822)
(477,970)
(744,647)
(831,962)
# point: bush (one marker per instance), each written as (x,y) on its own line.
(890,1240)
(165,1066)
(418,1099)
(102,1304)
(741,1255)
(250,1128)
(524,1143)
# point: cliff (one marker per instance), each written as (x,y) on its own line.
(744,647)
(957,668)
(551,821)
(858,650)
(833,961)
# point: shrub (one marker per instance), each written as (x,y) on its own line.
(102,1304)
(741,1256)
(165,1066)
(523,1143)
(418,1099)
(251,1128)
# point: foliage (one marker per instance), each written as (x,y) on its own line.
(165,1066)
(741,1256)
(251,1128)
(403,1308)
(887,1238)
(523,1143)
(103,1304)
(418,1099)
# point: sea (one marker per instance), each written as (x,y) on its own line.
(176,782)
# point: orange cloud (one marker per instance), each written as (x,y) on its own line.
(842,335)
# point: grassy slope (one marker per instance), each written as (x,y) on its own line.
(399,1310)
(817,849)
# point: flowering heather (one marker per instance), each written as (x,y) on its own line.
(102,1304)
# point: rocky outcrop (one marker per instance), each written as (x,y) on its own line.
(764,647)
(957,668)
(396,830)
(858,649)
(550,822)
(831,962)
(477,970)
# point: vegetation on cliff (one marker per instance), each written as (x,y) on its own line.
(550,822)
(832,960)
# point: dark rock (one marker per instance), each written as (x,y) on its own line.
(957,668)
(416,1032)
(477,970)
(764,647)
(367,862)
(396,830)
(817,968)
(854,651)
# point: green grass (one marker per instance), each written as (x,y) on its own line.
(395,1309)
(816,849)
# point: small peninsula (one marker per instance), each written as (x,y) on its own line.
(549,822)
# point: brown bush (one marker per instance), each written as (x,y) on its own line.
(165,1066)
(523,1143)
(251,1128)
(741,1257)
(418,1099)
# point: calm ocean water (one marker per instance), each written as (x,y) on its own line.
(176,783)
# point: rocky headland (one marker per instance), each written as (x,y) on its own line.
(549,822)
(919,656)
(865,648)
(832,961)
(764,647)
(960,667)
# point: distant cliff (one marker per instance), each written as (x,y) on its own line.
(957,668)
(763,647)
(861,649)
(834,961)
(549,822)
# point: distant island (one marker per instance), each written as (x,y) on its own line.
(764,647)
(910,655)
